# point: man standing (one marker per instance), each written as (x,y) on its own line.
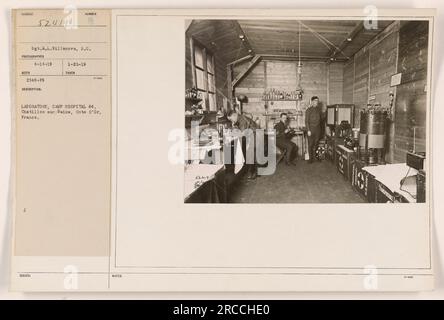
(283,140)
(313,120)
(243,123)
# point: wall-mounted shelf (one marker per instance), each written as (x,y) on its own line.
(276,100)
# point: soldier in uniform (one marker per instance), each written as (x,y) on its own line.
(313,119)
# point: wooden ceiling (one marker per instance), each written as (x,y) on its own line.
(320,39)
(221,37)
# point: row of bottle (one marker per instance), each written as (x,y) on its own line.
(193,93)
(376,106)
(274,94)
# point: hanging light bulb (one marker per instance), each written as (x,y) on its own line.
(299,69)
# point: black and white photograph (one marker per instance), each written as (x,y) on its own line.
(306,110)
(274,152)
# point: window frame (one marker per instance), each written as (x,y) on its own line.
(206,53)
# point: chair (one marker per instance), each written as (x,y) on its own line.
(280,154)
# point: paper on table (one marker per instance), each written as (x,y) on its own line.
(239,157)
(391,175)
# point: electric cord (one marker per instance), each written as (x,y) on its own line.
(402,183)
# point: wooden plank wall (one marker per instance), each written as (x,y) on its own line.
(221,82)
(368,73)
(221,74)
(252,86)
(281,75)
(411,96)
(349,72)
(335,82)
(361,82)
(314,81)
(400,48)
(383,64)
(383,58)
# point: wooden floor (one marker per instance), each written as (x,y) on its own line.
(319,182)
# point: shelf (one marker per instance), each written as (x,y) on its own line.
(266,100)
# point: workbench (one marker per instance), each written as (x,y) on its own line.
(388,182)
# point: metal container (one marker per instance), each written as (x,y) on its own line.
(372,135)
(373,124)
(355,133)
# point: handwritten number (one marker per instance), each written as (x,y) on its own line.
(44,23)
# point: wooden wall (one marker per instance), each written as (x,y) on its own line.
(383,64)
(220,72)
(314,81)
(383,59)
(367,74)
(367,77)
(221,82)
(360,86)
(252,86)
(349,73)
(400,48)
(335,82)
(282,75)
(411,96)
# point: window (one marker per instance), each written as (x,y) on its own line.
(204,71)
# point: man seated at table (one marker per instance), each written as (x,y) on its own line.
(283,139)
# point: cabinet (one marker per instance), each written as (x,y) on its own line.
(344,161)
(337,113)
(363,182)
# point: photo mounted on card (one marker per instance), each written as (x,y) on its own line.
(311,115)
(222,150)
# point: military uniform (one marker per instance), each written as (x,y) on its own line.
(313,119)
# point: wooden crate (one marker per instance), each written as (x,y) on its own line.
(344,161)
(363,182)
